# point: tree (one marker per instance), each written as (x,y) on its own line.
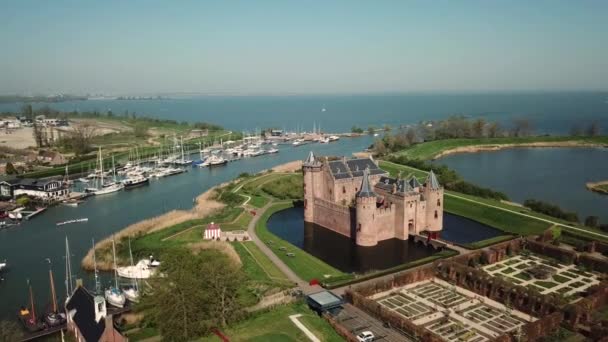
(410,136)
(371,130)
(10,169)
(38,134)
(10,331)
(494,130)
(379,147)
(522,127)
(479,127)
(196,294)
(592,221)
(356,129)
(594,129)
(81,137)
(27,111)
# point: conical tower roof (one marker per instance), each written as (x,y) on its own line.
(311,160)
(432,181)
(366,189)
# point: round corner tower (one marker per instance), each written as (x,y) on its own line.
(433,193)
(311,169)
(366,207)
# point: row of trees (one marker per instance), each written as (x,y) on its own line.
(458,127)
(551,210)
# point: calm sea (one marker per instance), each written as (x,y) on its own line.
(554,113)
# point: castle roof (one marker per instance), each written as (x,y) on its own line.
(414,183)
(311,160)
(387,183)
(351,168)
(432,181)
(366,189)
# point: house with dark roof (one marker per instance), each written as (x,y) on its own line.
(47,190)
(356,198)
(88,318)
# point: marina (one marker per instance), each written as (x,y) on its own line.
(108,214)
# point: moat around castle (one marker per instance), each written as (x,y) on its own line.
(344,254)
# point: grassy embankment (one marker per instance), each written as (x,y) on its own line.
(433,149)
(274,325)
(510,219)
(599,187)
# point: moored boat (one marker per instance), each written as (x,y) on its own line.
(134,182)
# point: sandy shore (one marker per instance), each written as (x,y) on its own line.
(595,186)
(205,206)
(498,147)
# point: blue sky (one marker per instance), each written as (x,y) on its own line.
(284,47)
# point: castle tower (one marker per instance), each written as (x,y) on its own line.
(311,169)
(433,193)
(366,207)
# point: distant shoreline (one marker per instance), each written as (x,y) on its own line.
(498,147)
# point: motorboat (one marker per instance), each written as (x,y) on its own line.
(134,182)
(324,140)
(3,265)
(214,161)
(273,150)
(334,138)
(142,270)
(298,142)
(106,189)
(131,294)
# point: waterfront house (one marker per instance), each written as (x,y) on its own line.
(47,190)
(6,190)
(88,318)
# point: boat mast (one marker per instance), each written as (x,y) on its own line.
(114,254)
(131,257)
(53,294)
(113,169)
(181,143)
(33,315)
(97,286)
(101,167)
(68,269)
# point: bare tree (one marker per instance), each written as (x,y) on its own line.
(38,135)
(594,129)
(479,128)
(81,137)
(494,130)
(522,127)
(410,136)
(379,147)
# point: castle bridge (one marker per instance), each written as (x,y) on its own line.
(423,239)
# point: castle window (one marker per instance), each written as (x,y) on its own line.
(359,227)
(343,189)
(305,202)
(436,214)
(438,202)
(411,205)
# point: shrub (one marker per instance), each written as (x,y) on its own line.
(551,210)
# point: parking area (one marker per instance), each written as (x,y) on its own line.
(357,321)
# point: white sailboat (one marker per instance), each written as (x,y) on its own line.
(113,294)
(103,188)
(132,292)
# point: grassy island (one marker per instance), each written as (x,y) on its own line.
(599,187)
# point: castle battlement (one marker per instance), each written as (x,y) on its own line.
(385,207)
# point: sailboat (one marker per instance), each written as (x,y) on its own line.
(69,286)
(132,292)
(183,160)
(54,317)
(28,316)
(103,188)
(113,294)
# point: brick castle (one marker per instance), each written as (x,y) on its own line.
(355,198)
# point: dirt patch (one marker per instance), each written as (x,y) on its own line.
(293,166)
(484,148)
(21,138)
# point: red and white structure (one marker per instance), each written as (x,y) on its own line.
(212,232)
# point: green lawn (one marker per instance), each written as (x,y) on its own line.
(303,264)
(488,242)
(393,169)
(275,325)
(264,268)
(286,187)
(429,150)
(505,221)
(241,222)
(258,201)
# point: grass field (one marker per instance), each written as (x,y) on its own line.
(275,326)
(429,150)
(240,223)
(303,264)
(264,268)
(394,169)
(286,187)
(505,221)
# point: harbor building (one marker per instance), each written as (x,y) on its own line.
(356,198)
